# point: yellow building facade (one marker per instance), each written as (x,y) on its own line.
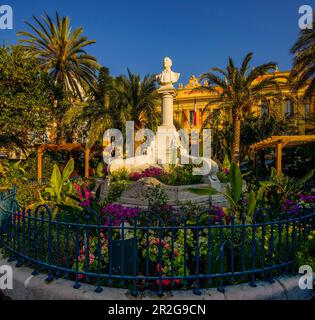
(189,98)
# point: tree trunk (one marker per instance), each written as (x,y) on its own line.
(236,137)
(58,123)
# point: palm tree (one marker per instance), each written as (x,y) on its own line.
(303,72)
(61,53)
(221,131)
(94,114)
(238,89)
(115,101)
(135,100)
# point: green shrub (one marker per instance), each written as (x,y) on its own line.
(306,254)
(115,190)
(120,174)
(181,175)
(28,194)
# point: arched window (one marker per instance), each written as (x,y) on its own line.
(191,117)
(288,108)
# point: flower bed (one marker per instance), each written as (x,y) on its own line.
(126,247)
(79,236)
(176,176)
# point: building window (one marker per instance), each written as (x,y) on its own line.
(307,109)
(264,110)
(288,108)
(191,117)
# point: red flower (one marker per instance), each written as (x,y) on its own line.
(165,282)
(177,282)
(81,276)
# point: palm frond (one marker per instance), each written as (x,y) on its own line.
(61,52)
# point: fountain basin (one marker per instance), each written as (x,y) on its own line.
(135,194)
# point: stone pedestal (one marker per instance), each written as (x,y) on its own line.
(166,136)
(166,145)
(167,94)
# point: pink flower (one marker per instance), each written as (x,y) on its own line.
(21,215)
(77,188)
(87,194)
(149,172)
(92,258)
(167,246)
(135,176)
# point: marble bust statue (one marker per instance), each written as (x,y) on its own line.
(167,77)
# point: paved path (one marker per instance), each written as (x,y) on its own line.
(3,297)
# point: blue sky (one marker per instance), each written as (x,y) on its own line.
(196,34)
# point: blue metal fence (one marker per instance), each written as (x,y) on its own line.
(144,252)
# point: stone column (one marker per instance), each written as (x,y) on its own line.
(166,139)
(167,94)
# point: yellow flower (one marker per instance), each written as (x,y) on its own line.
(310,237)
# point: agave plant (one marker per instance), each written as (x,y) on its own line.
(279,188)
(242,203)
(234,189)
(269,194)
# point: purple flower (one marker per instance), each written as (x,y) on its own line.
(97,155)
(226,171)
(85,203)
(288,203)
(135,176)
(115,214)
(218,212)
(291,207)
(149,172)
(307,198)
(105,169)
